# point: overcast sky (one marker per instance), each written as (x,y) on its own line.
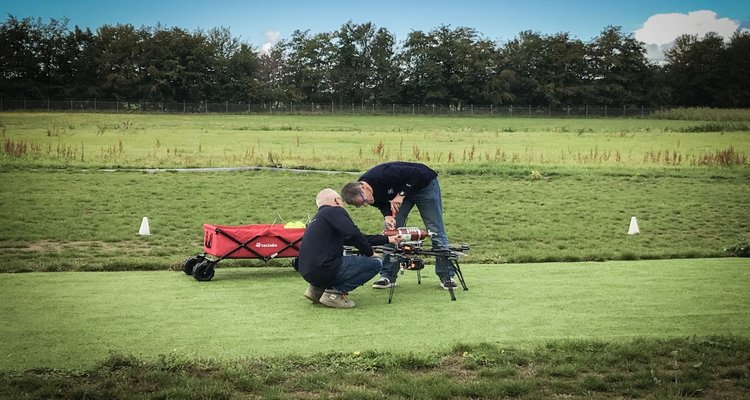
(263,23)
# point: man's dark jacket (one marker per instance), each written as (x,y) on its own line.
(323,245)
(388,179)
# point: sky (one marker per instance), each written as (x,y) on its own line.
(263,23)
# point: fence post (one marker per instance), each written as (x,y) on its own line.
(605,111)
(641,111)
(412,109)
(529,110)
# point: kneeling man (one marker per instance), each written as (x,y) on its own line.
(322,263)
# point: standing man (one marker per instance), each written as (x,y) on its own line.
(395,188)
(321,262)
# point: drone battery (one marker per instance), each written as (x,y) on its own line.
(408,234)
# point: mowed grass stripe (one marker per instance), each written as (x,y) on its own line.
(70,320)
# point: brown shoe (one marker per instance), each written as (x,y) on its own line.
(334,298)
(313,293)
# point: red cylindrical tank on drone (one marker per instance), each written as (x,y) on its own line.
(408,234)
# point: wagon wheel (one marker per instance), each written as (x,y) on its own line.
(189,264)
(204,270)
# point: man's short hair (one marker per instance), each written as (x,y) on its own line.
(351,192)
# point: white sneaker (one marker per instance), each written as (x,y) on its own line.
(383,283)
(313,293)
(448,284)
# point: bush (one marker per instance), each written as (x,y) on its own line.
(741,249)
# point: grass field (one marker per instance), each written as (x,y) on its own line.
(78,318)
(667,318)
(89,220)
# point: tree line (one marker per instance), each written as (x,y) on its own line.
(363,64)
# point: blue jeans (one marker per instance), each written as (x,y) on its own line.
(429,202)
(355,271)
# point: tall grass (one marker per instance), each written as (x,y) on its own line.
(354,143)
(704,114)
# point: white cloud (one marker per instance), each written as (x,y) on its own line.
(272,37)
(660,30)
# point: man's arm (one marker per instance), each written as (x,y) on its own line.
(376,240)
(343,223)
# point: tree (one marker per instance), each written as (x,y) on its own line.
(352,63)
(386,76)
(272,85)
(232,69)
(309,64)
(695,69)
(543,69)
(618,71)
(118,56)
(363,66)
(735,86)
(78,71)
(447,66)
(31,57)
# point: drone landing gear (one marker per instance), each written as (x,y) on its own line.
(418,264)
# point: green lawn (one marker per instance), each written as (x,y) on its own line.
(69,320)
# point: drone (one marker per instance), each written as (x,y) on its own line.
(410,254)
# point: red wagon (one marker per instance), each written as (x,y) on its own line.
(265,242)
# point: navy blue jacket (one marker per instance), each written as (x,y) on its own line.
(323,243)
(388,179)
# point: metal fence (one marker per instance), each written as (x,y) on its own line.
(318,108)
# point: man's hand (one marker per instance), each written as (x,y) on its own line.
(390,222)
(396,203)
(395,239)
